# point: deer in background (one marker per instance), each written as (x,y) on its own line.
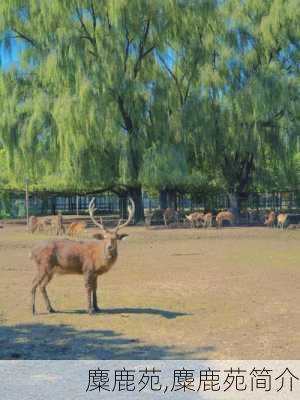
(170,215)
(207,220)
(90,258)
(54,223)
(38,224)
(270,219)
(57,224)
(76,228)
(224,216)
(196,219)
(282,220)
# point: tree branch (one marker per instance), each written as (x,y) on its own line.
(93,15)
(25,37)
(174,78)
(142,53)
(128,43)
(126,118)
(108,20)
(83,26)
(269,123)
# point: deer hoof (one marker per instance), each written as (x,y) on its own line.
(51,311)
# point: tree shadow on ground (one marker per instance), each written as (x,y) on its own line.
(129,310)
(63,342)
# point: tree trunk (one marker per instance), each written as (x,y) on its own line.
(136,194)
(234,205)
(237,171)
(163,203)
(172,199)
(53,205)
(123,206)
(44,206)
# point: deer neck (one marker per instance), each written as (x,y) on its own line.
(110,256)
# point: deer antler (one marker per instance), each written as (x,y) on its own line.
(92,210)
(131,211)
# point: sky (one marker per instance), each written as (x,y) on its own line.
(7,59)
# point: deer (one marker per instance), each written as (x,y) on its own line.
(196,218)
(224,216)
(57,224)
(282,220)
(32,224)
(76,228)
(90,258)
(100,236)
(170,215)
(270,219)
(38,224)
(207,220)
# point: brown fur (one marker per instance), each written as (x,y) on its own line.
(270,219)
(207,220)
(89,258)
(196,219)
(57,224)
(38,224)
(281,220)
(100,236)
(224,216)
(170,215)
(76,228)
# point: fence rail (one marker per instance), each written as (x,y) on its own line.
(12,205)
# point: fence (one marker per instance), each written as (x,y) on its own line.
(12,204)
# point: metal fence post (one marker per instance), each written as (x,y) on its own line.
(27,201)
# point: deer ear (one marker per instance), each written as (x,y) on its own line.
(122,236)
(98,236)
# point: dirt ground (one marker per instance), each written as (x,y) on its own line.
(173,294)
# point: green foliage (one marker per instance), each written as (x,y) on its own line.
(192,96)
(165,167)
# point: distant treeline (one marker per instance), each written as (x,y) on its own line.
(170,97)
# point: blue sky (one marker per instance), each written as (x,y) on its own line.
(9,58)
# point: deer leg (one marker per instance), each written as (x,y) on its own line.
(95,301)
(37,280)
(43,285)
(89,300)
(90,286)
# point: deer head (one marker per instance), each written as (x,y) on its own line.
(111,236)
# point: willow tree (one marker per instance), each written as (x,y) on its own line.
(179,140)
(253,106)
(165,170)
(97,58)
(103,87)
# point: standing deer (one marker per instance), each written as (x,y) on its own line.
(32,224)
(57,224)
(207,220)
(89,258)
(282,220)
(170,215)
(196,219)
(38,224)
(270,219)
(224,216)
(76,228)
